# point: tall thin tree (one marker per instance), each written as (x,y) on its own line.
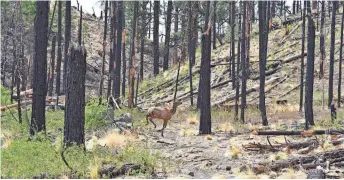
(124,59)
(243,63)
(67,38)
(205,109)
(104,49)
(340,59)
(116,85)
(333,34)
(167,35)
(143,36)
(80,27)
(237,82)
(322,50)
(233,43)
(310,68)
(59,51)
(214,24)
(156,37)
(40,68)
(132,57)
(302,56)
(112,48)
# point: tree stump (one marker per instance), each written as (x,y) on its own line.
(75,96)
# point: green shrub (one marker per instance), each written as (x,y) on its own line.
(5,96)
(94,118)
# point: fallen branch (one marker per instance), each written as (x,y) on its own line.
(299,133)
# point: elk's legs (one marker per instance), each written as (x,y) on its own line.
(150,119)
(163,127)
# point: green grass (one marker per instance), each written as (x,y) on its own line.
(5,96)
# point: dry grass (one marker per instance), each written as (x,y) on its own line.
(192,120)
(292,174)
(218,177)
(116,140)
(225,127)
(234,152)
(283,108)
(94,172)
(208,137)
(188,132)
(278,156)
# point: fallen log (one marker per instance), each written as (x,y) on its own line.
(298,133)
(295,161)
(48,99)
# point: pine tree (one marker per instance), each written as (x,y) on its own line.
(243,63)
(104,49)
(333,33)
(302,58)
(156,37)
(67,39)
(116,85)
(340,59)
(132,58)
(40,68)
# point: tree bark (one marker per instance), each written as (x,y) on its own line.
(167,35)
(333,33)
(310,69)
(40,68)
(262,58)
(112,49)
(124,69)
(80,27)
(190,48)
(116,85)
(104,49)
(67,40)
(52,67)
(74,122)
(205,109)
(59,49)
(143,36)
(132,58)
(214,25)
(243,63)
(302,55)
(237,82)
(156,36)
(233,75)
(340,59)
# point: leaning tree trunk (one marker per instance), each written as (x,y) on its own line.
(243,64)
(116,84)
(204,81)
(302,56)
(333,33)
(310,69)
(167,35)
(67,39)
(262,58)
(340,59)
(132,58)
(52,67)
(156,37)
(74,121)
(104,49)
(40,68)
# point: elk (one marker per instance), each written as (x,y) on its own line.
(163,113)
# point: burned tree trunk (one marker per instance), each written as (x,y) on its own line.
(167,35)
(237,82)
(112,49)
(156,37)
(233,75)
(302,55)
(116,86)
(310,69)
(340,59)
(40,68)
(132,58)
(104,48)
(59,50)
(214,25)
(262,58)
(205,109)
(243,63)
(74,121)
(143,36)
(190,49)
(67,40)
(80,27)
(333,33)
(124,69)
(52,67)
(322,50)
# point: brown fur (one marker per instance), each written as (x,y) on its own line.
(163,113)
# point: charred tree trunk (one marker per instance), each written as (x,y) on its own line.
(40,68)
(116,86)
(340,59)
(59,50)
(190,48)
(310,69)
(233,75)
(132,58)
(237,82)
(175,57)
(196,12)
(243,63)
(52,67)
(205,109)
(143,30)
(74,121)
(302,55)
(262,58)
(167,35)
(214,25)
(124,69)
(156,37)
(67,40)
(104,49)
(112,49)
(333,34)
(80,27)
(322,50)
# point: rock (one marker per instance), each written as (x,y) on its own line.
(228,168)
(273,175)
(124,118)
(106,170)
(243,168)
(191,174)
(315,174)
